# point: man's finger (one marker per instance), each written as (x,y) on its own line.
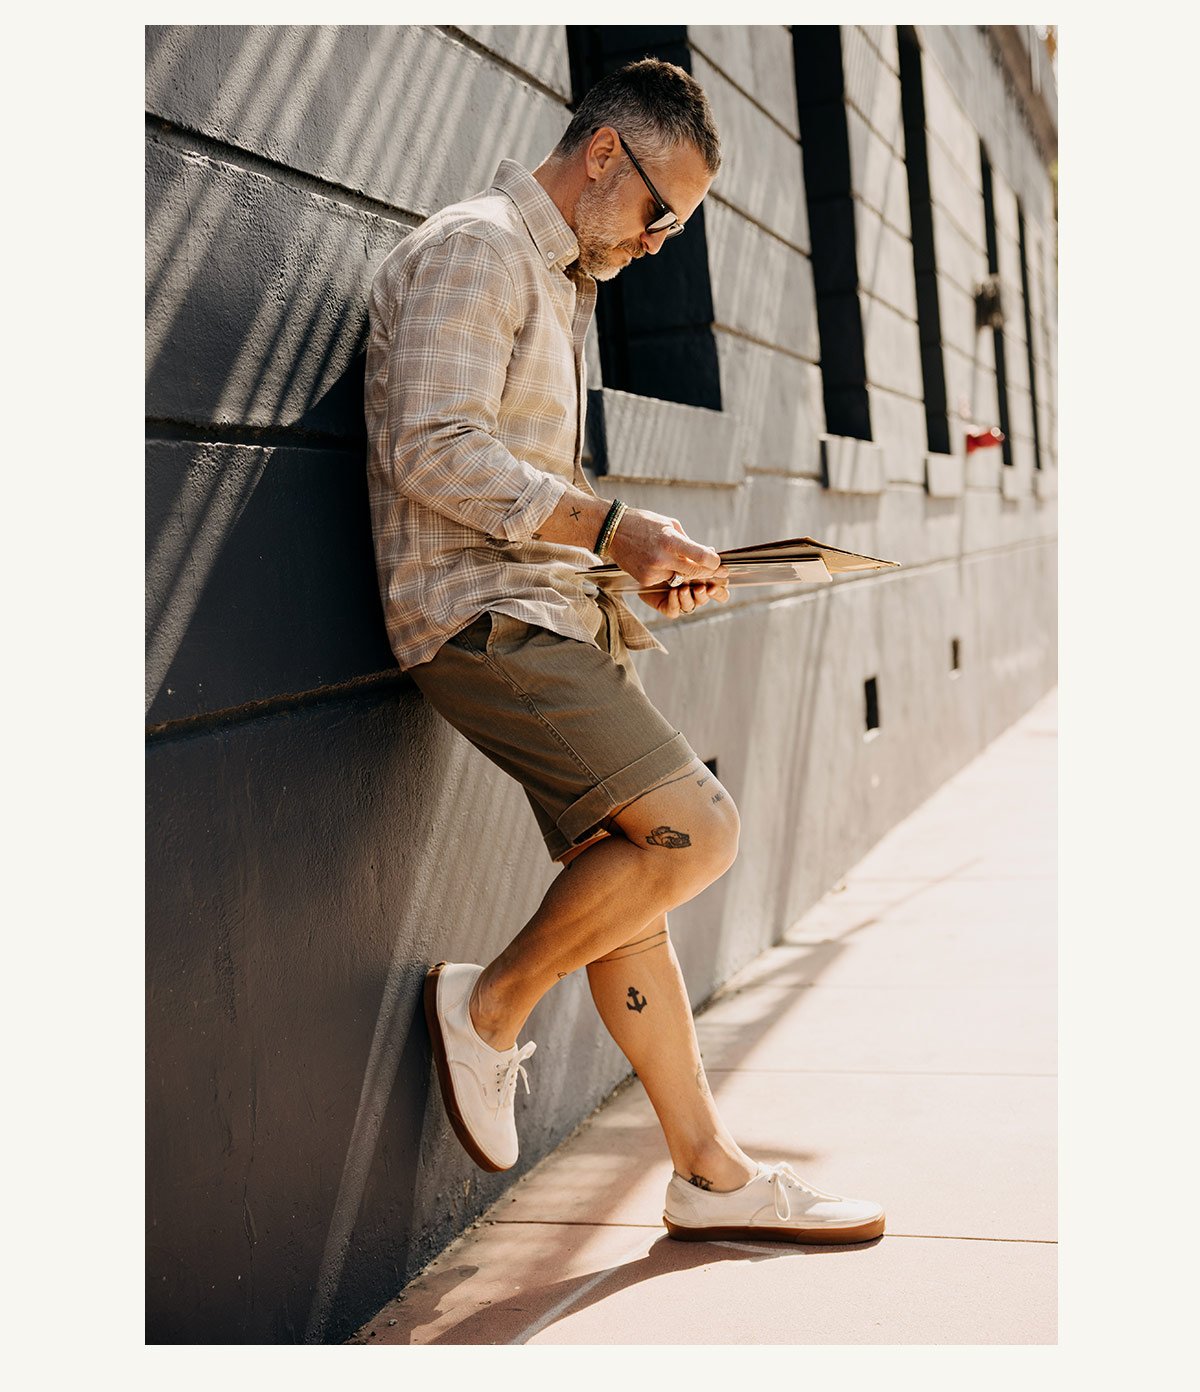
(696,562)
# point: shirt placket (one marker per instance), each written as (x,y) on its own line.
(581,317)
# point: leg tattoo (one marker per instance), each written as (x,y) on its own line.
(634,949)
(668,837)
(635,1002)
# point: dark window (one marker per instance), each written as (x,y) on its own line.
(825,147)
(1033,401)
(989,222)
(955,655)
(871,691)
(933,369)
(654,320)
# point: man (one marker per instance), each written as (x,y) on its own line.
(482,516)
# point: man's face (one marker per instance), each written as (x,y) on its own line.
(615,206)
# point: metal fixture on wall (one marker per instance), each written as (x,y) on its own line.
(989,312)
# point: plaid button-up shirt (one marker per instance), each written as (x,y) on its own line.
(475,399)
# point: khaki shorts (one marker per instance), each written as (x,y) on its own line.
(568,720)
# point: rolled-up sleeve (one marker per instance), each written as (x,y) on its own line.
(455,327)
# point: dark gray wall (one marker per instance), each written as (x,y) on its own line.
(316,835)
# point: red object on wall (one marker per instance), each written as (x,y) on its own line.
(982,439)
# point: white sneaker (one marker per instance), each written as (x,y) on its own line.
(775,1206)
(479,1083)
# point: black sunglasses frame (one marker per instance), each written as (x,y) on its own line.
(662,208)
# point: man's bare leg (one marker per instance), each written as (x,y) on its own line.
(639,991)
(688,828)
(665,849)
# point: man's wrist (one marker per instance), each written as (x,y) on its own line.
(608,529)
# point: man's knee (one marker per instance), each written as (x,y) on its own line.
(688,825)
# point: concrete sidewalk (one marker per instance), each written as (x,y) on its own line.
(898,1044)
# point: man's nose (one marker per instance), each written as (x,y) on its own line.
(652,242)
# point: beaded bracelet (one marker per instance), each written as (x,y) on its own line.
(608,530)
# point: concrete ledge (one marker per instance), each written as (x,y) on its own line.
(945,475)
(983,469)
(851,466)
(648,439)
(1045,483)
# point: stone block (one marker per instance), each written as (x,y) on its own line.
(1024,461)
(885,261)
(260,575)
(984,469)
(778,404)
(899,426)
(851,466)
(956,317)
(892,347)
(971,385)
(945,475)
(952,191)
(663,440)
(961,257)
(762,173)
(256,297)
(538,49)
(402,113)
(877,173)
(882,38)
(758,58)
(872,87)
(947,121)
(760,286)
(1015,483)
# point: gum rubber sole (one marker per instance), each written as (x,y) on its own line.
(466,1140)
(862,1232)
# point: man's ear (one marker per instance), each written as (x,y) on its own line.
(602,152)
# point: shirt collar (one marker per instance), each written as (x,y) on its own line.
(550,231)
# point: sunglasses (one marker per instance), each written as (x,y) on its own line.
(663,219)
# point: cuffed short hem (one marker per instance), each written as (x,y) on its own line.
(581,820)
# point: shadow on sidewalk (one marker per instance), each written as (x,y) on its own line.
(520,1317)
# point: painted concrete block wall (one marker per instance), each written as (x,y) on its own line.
(317,834)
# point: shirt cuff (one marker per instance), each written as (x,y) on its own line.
(536,503)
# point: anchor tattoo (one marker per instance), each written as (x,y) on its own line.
(635,1002)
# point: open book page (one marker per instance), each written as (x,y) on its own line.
(798,560)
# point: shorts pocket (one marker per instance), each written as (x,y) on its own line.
(475,637)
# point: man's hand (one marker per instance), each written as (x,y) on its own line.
(683,599)
(650,547)
(654,549)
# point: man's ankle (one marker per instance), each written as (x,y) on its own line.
(719,1166)
(489,1024)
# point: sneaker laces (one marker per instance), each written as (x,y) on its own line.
(782,1178)
(507,1073)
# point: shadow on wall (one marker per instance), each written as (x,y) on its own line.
(260,250)
(304,867)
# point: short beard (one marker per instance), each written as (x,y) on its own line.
(595,231)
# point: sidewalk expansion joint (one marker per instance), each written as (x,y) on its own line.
(887,1072)
(964,1237)
(566,1223)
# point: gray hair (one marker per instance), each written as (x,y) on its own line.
(655,105)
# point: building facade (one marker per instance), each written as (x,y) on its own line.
(871,281)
